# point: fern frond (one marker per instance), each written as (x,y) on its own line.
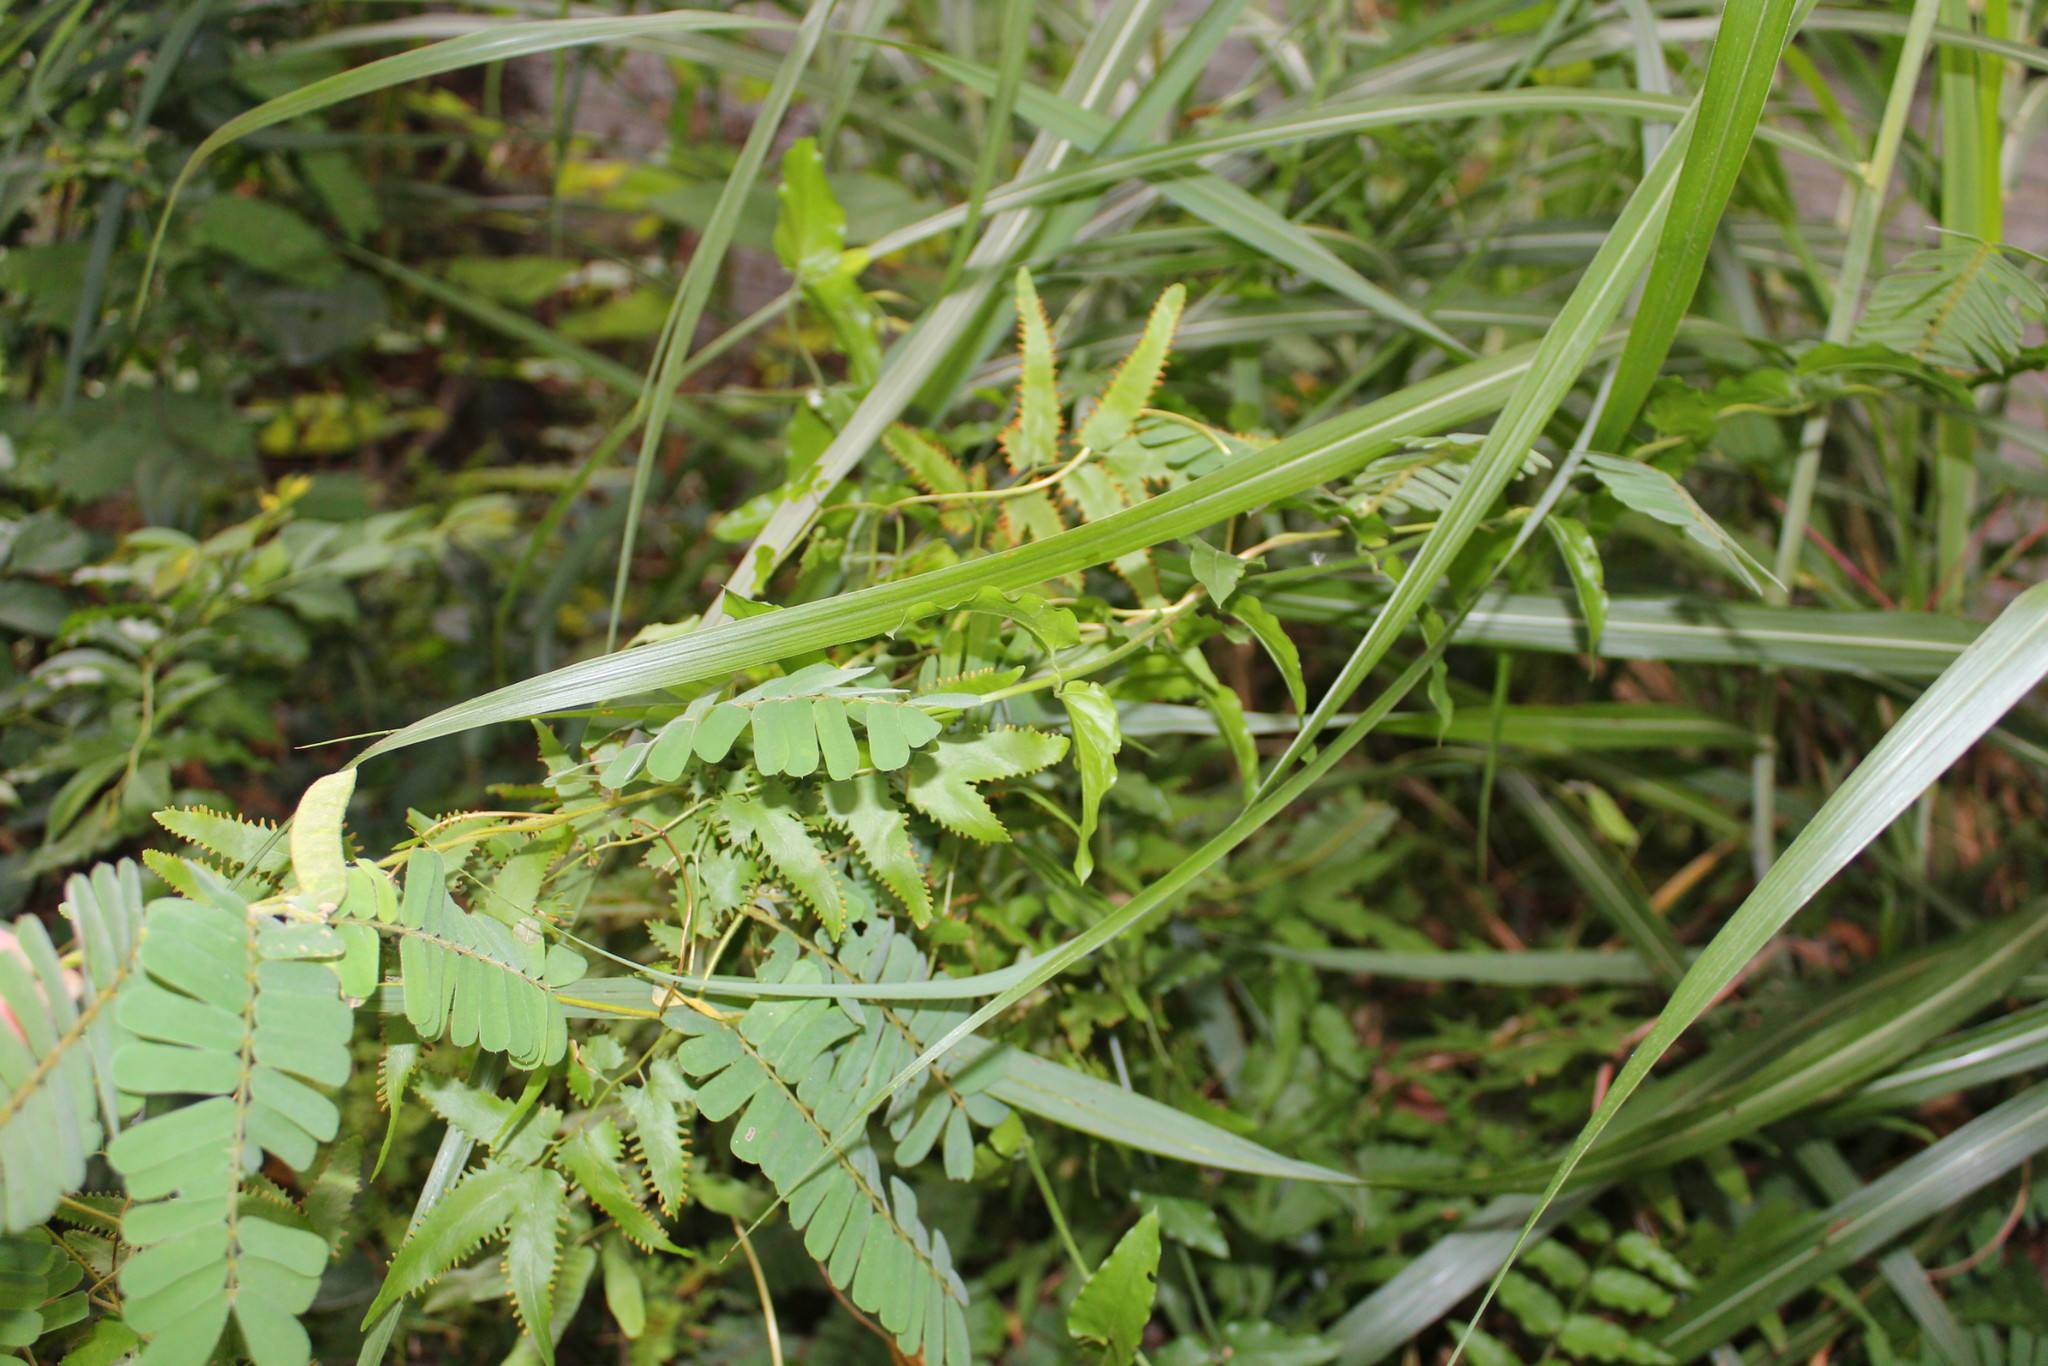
(235,842)
(593,1159)
(778,1072)
(56,1061)
(929,465)
(478,1210)
(477,979)
(1136,379)
(866,810)
(1964,305)
(236,1009)
(533,1251)
(771,824)
(1033,440)
(661,1111)
(943,781)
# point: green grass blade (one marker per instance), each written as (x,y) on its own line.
(2000,668)
(1113,48)
(1564,351)
(2006,1047)
(1612,890)
(1739,73)
(1851,1229)
(1087,1105)
(1300,462)
(693,291)
(1524,968)
(1837,1180)
(1906,645)
(455,54)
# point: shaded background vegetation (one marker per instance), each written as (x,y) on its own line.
(366,445)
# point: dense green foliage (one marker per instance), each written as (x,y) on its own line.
(1031,682)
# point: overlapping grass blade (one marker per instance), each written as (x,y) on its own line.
(1300,462)
(1739,73)
(455,54)
(693,291)
(1611,888)
(1564,351)
(1906,645)
(2000,667)
(1113,47)
(1852,1228)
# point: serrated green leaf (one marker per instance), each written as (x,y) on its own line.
(943,779)
(1279,646)
(771,824)
(866,810)
(533,1247)
(479,1209)
(237,843)
(1132,387)
(592,1159)
(1116,1303)
(930,466)
(1033,440)
(1096,743)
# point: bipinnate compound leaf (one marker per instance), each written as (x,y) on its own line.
(780,1081)
(866,809)
(770,824)
(475,978)
(57,1060)
(799,721)
(238,1011)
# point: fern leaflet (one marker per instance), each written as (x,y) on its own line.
(56,1061)
(235,1008)
(778,1071)
(477,979)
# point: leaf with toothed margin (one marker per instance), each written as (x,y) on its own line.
(1034,438)
(930,466)
(477,1210)
(660,1111)
(1117,410)
(866,810)
(770,823)
(934,470)
(1097,739)
(235,842)
(593,1160)
(533,1246)
(943,779)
